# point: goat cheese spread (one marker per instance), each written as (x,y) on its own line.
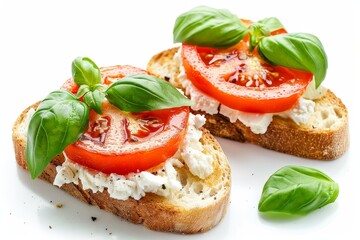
(258,123)
(162,182)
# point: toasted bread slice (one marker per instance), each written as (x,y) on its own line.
(325,136)
(197,207)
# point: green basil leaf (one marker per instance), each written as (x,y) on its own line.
(140,92)
(59,121)
(94,100)
(269,25)
(297,190)
(301,51)
(85,72)
(209,27)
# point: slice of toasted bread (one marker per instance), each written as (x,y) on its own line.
(325,136)
(197,207)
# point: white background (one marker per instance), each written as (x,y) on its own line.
(39,40)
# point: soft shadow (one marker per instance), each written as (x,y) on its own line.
(309,221)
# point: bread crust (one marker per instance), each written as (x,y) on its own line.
(153,211)
(283,135)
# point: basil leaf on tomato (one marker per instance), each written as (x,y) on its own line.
(270,24)
(209,27)
(297,190)
(85,72)
(140,92)
(58,121)
(94,100)
(301,51)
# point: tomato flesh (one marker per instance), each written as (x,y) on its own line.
(120,142)
(242,80)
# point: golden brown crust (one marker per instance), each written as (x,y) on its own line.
(283,135)
(153,211)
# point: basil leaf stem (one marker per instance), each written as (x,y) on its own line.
(297,190)
(59,121)
(209,27)
(262,28)
(140,92)
(83,89)
(301,51)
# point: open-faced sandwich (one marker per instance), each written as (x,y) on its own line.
(124,140)
(256,82)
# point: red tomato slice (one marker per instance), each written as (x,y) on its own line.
(119,142)
(242,80)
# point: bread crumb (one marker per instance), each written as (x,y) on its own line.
(59,205)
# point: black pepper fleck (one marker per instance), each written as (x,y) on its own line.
(163,186)
(93,219)
(50,227)
(166,78)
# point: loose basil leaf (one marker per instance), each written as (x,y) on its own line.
(270,24)
(59,121)
(301,51)
(209,27)
(140,92)
(85,72)
(94,100)
(297,190)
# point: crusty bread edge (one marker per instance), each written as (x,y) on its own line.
(283,135)
(153,211)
